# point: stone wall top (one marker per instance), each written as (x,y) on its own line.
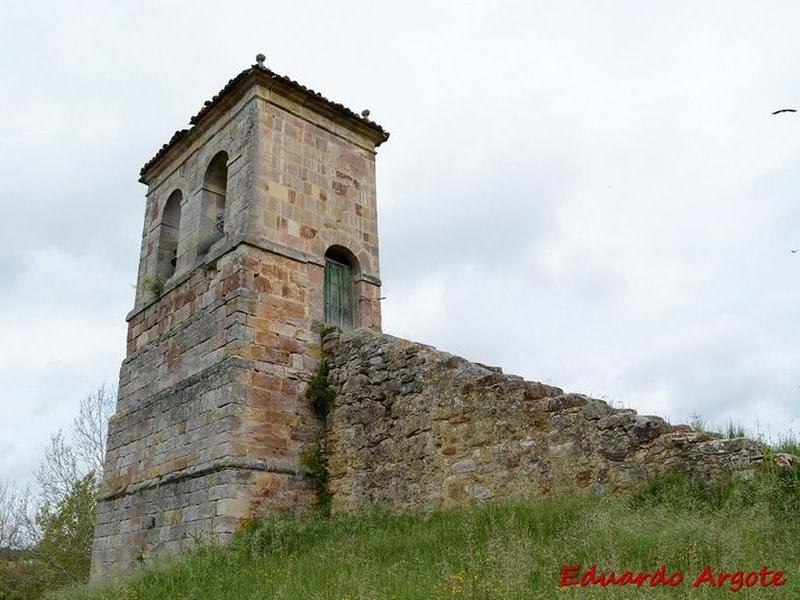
(416,428)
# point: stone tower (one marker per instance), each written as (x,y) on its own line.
(260,226)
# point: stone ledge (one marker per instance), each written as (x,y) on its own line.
(204,375)
(226,300)
(260,243)
(242,463)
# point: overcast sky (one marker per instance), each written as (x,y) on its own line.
(590,194)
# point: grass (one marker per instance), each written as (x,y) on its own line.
(787,442)
(510,551)
(735,430)
(698,423)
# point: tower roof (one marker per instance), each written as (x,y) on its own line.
(259,73)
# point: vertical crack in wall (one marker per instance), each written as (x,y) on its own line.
(321,396)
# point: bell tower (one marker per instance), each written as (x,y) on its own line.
(260,227)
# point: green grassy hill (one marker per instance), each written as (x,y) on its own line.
(499,551)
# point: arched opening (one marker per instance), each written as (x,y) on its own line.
(338,292)
(168,236)
(215,186)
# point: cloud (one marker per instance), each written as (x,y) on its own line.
(596,197)
(62,336)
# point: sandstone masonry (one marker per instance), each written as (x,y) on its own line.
(246,214)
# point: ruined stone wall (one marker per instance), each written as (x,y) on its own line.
(413,428)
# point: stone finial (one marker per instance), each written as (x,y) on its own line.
(365,113)
(260,58)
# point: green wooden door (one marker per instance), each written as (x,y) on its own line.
(338,294)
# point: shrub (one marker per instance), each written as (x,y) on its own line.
(152,284)
(313,460)
(319,392)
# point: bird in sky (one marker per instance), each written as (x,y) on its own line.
(793,251)
(784,110)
